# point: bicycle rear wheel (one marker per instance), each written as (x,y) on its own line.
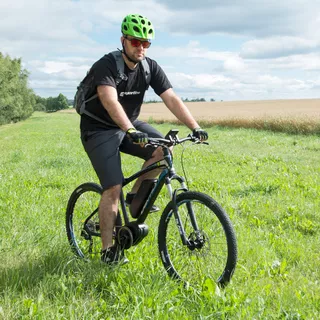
(82,220)
(210,254)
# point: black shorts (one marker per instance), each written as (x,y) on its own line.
(103,149)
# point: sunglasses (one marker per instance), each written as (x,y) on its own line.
(137,43)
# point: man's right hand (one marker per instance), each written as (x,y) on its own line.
(137,136)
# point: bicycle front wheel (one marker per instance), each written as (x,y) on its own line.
(208,251)
(82,220)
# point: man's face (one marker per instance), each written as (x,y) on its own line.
(136,48)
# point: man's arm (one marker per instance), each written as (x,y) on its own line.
(109,99)
(179,109)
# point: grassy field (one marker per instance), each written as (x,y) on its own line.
(269,183)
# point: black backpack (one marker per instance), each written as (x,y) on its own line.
(86,85)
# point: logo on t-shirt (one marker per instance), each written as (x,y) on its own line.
(129,93)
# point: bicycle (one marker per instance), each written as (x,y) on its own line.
(193,226)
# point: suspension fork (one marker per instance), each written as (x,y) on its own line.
(173,196)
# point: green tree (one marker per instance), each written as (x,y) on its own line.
(58,103)
(40,104)
(16,98)
(62,102)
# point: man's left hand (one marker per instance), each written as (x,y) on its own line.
(200,134)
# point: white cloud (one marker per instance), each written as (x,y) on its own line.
(59,26)
(308,62)
(235,64)
(193,49)
(287,17)
(199,81)
(59,40)
(278,47)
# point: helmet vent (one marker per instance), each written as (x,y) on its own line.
(143,22)
(136,29)
(135,20)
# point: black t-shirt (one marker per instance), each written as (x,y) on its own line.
(130,92)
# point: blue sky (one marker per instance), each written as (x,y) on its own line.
(226,50)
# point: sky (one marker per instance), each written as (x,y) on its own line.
(224,50)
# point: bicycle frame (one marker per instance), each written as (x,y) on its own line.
(166,176)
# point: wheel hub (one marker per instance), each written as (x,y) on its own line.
(197,241)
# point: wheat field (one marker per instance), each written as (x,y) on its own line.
(300,116)
(263,109)
(268,109)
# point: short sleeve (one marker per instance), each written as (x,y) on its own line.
(159,81)
(104,71)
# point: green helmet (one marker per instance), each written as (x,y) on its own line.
(137,26)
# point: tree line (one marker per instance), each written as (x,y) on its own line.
(51,104)
(17,100)
(183,99)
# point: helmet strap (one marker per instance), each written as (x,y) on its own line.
(124,52)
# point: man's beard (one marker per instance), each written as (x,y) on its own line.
(133,59)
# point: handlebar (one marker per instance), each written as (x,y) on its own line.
(172,139)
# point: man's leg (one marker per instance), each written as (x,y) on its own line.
(111,253)
(102,149)
(108,210)
(156,156)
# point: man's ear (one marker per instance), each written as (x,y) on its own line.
(122,40)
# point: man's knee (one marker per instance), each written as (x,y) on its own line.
(157,154)
(112,193)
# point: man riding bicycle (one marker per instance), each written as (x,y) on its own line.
(119,105)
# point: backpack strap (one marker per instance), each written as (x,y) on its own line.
(121,76)
(91,98)
(146,70)
(88,113)
(91,115)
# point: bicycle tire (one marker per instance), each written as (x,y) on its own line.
(83,201)
(219,248)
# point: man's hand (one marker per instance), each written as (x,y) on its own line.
(200,134)
(137,136)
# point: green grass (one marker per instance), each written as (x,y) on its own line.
(269,183)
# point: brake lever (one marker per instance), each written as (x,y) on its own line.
(155,144)
(198,141)
(148,145)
